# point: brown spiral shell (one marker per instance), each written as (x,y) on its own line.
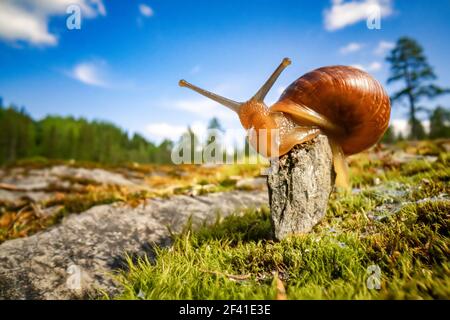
(349,98)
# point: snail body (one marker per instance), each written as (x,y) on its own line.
(346,104)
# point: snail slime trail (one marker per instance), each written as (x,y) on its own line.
(346,104)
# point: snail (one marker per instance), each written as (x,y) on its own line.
(346,104)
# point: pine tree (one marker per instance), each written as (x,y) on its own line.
(409,65)
(188,145)
(214,136)
(214,123)
(440,123)
(163,152)
(389,136)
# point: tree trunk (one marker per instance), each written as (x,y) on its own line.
(300,187)
(413,120)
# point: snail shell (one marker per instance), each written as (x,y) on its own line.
(347,97)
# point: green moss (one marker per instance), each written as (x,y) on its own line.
(227,183)
(410,248)
(81,202)
(206,264)
(253,226)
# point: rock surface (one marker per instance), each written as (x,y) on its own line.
(79,256)
(300,187)
(41,184)
(251,183)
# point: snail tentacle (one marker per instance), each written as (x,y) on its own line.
(262,92)
(233,105)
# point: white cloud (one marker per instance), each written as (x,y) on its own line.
(351,47)
(28,20)
(358,66)
(371,67)
(280,90)
(344,13)
(375,66)
(401,126)
(231,138)
(383,47)
(162,130)
(16,24)
(97,72)
(91,73)
(145,10)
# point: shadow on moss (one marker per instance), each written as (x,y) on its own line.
(252,225)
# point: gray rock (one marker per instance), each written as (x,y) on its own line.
(299,189)
(79,256)
(41,179)
(252,183)
(98,175)
(41,185)
(401,157)
(16,196)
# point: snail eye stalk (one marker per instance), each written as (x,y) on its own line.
(261,94)
(233,105)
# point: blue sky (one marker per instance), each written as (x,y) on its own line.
(124,64)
